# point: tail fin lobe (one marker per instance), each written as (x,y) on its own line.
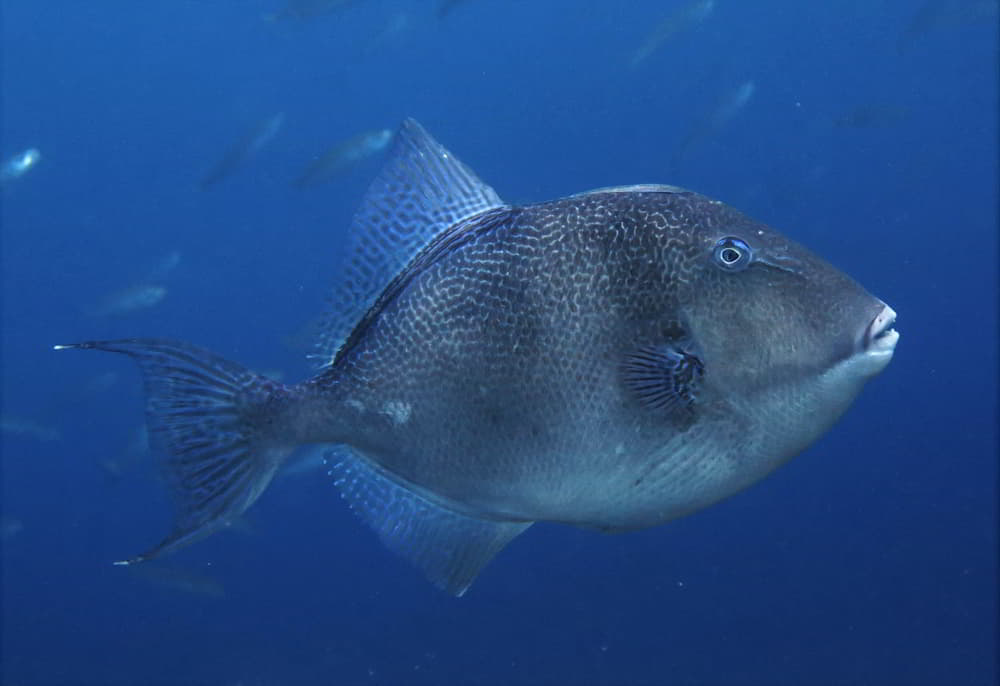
(216,423)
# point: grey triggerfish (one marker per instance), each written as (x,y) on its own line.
(611,360)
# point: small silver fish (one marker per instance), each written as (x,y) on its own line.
(243,150)
(872,115)
(181,579)
(305,10)
(683,18)
(18,165)
(610,360)
(10,527)
(162,269)
(133,455)
(307,461)
(128,301)
(344,155)
(392,30)
(728,106)
(446,7)
(28,428)
(934,15)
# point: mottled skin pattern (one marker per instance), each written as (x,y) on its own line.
(489,375)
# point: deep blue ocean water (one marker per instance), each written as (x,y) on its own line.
(870,136)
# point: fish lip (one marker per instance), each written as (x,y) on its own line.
(879,336)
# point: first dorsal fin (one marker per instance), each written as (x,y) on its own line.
(422,190)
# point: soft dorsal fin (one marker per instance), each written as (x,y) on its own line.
(422,190)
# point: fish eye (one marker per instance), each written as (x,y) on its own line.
(732,254)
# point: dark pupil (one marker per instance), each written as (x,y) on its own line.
(730,255)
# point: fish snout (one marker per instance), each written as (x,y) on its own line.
(879,337)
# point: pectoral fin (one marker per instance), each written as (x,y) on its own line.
(666,378)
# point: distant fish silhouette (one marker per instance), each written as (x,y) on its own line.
(136,452)
(10,527)
(244,149)
(445,7)
(161,270)
(28,428)
(709,125)
(872,115)
(304,10)
(342,156)
(682,19)
(18,165)
(179,579)
(395,25)
(128,301)
(934,15)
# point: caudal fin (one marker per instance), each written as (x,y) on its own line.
(215,422)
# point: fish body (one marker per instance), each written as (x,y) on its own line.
(343,156)
(611,360)
(28,428)
(305,10)
(243,150)
(129,300)
(446,7)
(682,19)
(934,15)
(162,269)
(18,165)
(391,31)
(10,527)
(194,582)
(873,115)
(724,111)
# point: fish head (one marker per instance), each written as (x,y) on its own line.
(783,335)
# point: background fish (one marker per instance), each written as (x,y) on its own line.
(344,155)
(934,15)
(148,291)
(128,301)
(28,428)
(612,360)
(185,580)
(305,10)
(445,7)
(18,165)
(683,18)
(872,115)
(10,527)
(731,103)
(244,149)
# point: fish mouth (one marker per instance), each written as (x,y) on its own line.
(880,338)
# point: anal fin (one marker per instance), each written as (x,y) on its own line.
(450,547)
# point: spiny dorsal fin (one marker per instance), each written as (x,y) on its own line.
(422,190)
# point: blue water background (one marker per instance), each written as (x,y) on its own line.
(870,559)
